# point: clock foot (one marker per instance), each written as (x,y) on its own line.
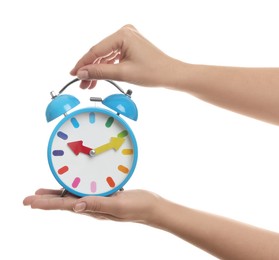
(63,193)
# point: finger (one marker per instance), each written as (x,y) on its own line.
(105,205)
(88,84)
(104,59)
(93,84)
(113,58)
(88,80)
(30,199)
(54,203)
(84,84)
(110,58)
(43,191)
(102,71)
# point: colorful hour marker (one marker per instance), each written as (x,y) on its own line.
(93,186)
(123,169)
(123,134)
(62,135)
(110,182)
(92,118)
(74,122)
(57,152)
(76,182)
(127,151)
(63,169)
(109,122)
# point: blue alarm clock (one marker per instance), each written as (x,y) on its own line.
(92,150)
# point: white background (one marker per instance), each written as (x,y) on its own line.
(190,152)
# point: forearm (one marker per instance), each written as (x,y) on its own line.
(221,237)
(249,91)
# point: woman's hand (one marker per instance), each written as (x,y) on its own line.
(132,205)
(138,61)
(222,237)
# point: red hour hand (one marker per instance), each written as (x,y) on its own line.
(78,147)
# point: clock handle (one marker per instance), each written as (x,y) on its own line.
(128,93)
(68,84)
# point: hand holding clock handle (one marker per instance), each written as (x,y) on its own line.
(77,146)
(131,66)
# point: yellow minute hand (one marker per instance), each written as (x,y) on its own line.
(115,143)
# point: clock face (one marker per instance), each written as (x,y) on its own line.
(92,151)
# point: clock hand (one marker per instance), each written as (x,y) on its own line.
(78,147)
(115,143)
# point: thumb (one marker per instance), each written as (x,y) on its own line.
(95,204)
(99,71)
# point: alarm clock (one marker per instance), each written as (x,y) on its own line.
(92,151)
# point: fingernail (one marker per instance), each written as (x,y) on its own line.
(83,74)
(79,207)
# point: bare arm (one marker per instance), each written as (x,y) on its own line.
(253,92)
(219,236)
(127,56)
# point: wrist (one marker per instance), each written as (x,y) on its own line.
(160,213)
(179,75)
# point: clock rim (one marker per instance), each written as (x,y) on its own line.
(106,112)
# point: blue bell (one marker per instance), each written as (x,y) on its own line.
(59,105)
(122,104)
